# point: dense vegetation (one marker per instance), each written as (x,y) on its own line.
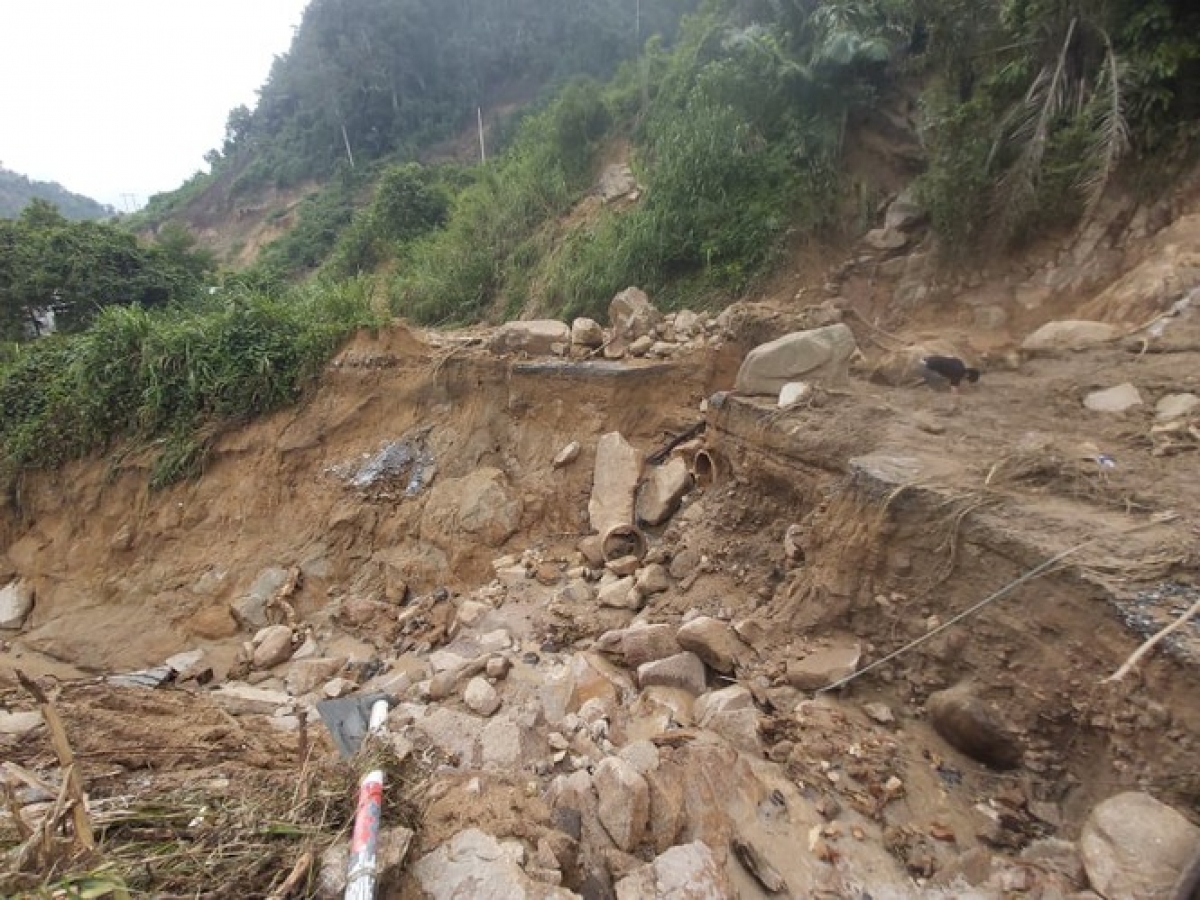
(171,376)
(56,271)
(18,191)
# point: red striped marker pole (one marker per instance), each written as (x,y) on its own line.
(364,843)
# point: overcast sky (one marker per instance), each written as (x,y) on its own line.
(116,97)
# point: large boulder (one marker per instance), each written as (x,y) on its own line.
(822,354)
(1069,335)
(639,644)
(540,337)
(714,641)
(1134,846)
(614,483)
(478,505)
(16,603)
(661,493)
(632,315)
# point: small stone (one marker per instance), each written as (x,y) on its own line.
(781,752)
(879,712)
(567,455)
(1175,406)
(480,697)
(497,667)
(620,594)
(587,333)
(1114,400)
(794,392)
(471,612)
(641,346)
(303,676)
(19,723)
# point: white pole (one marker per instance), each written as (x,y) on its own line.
(482,148)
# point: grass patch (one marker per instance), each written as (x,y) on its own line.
(176,374)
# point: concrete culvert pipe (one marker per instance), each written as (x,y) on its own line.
(621,541)
(708,468)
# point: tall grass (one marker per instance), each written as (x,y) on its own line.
(175,375)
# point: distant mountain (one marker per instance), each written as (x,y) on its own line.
(16,191)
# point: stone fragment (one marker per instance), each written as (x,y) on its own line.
(822,354)
(1135,846)
(272,646)
(16,603)
(686,872)
(480,697)
(641,346)
(454,733)
(726,700)
(642,755)
(886,239)
(567,455)
(879,712)
(972,727)
(617,471)
(479,504)
(504,746)
(684,563)
(1114,400)
(616,181)
(624,808)
(714,641)
(535,338)
(243,700)
(1069,335)
(19,723)
(624,566)
(338,687)
(684,671)
(823,668)
(661,493)
(905,213)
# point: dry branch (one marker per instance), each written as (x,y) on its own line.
(1150,644)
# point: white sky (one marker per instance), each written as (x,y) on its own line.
(115,97)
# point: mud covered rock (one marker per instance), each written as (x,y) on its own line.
(478,504)
(822,354)
(972,727)
(1135,846)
